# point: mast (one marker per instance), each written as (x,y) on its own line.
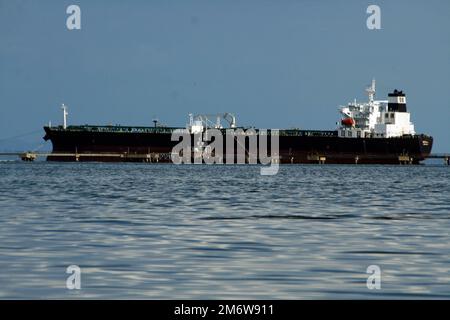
(65,113)
(371,91)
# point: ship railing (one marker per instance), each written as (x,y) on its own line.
(307,133)
(119,129)
(285,132)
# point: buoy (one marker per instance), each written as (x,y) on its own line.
(28,156)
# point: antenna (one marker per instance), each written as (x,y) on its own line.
(65,113)
(371,91)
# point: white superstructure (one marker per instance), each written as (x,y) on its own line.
(376,118)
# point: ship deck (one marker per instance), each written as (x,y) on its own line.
(170,130)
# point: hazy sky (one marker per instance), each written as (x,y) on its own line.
(275,64)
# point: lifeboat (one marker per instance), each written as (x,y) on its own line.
(349,122)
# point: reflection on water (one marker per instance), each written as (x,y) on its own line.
(166,231)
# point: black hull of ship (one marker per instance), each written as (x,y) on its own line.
(302,147)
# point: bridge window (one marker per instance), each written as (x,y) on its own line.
(349,134)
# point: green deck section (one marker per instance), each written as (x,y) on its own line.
(116,129)
(170,130)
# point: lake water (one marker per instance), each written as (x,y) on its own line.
(199,232)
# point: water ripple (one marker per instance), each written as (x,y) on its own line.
(165,231)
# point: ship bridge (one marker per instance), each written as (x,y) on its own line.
(376,118)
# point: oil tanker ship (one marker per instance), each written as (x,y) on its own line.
(372,132)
